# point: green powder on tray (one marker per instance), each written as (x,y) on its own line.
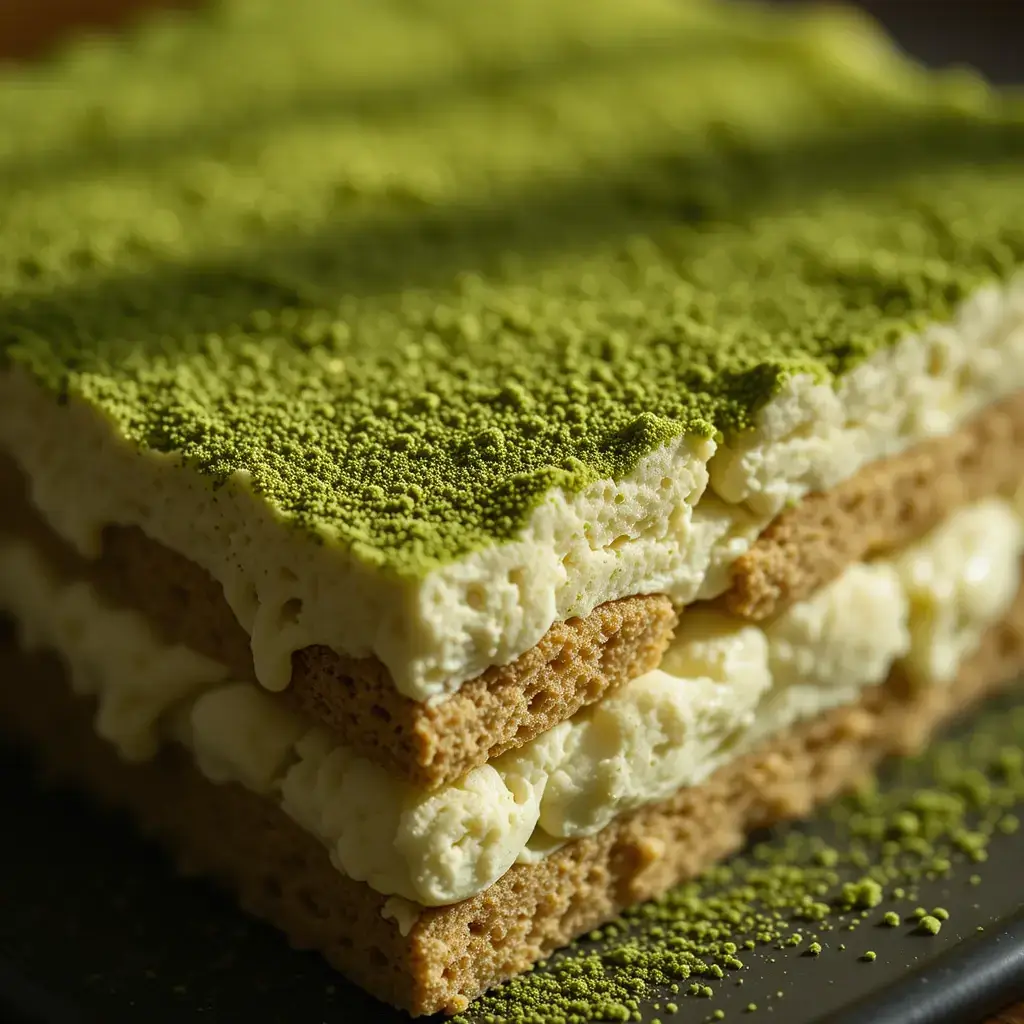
(788,886)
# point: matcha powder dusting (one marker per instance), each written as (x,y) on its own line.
(509,255)
(790,891)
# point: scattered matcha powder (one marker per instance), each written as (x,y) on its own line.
(405,336)
(690,936)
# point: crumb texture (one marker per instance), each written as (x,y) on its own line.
(452,954)
(884,507)
(575,664)
(406,268)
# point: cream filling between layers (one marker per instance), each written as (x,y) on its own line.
(722,686)
(675,525)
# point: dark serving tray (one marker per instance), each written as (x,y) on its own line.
(94,926)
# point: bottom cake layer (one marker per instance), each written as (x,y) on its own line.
(439,959)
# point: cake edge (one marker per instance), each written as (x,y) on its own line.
(886,505)
(451,954)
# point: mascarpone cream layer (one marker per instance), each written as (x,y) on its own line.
(723,686)
(675,525)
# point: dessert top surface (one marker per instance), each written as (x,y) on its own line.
(409,265)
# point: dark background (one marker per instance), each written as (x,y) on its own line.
(116,936)
(986,33)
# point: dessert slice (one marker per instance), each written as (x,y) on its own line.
(471,472)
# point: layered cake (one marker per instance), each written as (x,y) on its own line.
(462,473)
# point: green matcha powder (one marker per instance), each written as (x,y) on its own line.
(934,820)
(410,266)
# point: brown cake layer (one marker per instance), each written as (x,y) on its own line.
(453,953)
(579,661)
(575,663)
(885,506)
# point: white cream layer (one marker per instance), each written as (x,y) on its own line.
(673,526)
(722,686)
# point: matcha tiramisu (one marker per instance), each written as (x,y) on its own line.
(471,470)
